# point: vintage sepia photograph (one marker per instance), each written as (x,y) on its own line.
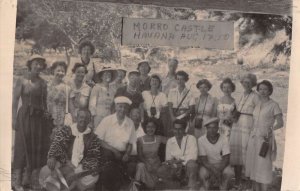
(111,96)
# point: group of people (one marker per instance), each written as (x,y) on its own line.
(87,129)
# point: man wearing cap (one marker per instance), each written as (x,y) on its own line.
(117,134)
(74,149)
(132,91)
(214,157)
(181,155)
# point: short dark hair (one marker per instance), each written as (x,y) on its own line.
(146,62)
(182,73)
(150,120)
(58,63)
(204,81)
(86,43)
(266,83)
(86,111)
(78,65)
(155,76)
(181,122)
(228,81)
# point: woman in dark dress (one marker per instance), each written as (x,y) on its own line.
(144,69)
(32,136)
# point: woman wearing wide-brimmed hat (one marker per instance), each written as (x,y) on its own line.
(118,82)
(31,137)
(101,98)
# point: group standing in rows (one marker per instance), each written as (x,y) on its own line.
(151,128)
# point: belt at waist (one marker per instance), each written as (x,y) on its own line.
(247,114)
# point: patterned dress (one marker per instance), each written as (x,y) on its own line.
(76,95)
(56,102)
(224,112)
(100,103)
(147,172)
(259,168)
(240,131)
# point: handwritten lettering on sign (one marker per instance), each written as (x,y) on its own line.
(179,33)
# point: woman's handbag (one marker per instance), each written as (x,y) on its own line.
(264,148)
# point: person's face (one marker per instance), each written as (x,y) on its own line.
(133,79)
(247,84)
(226,88)
(144,68)
(212,129)
(154,83)
(107,77)
(135,116)
(86,52)
(121,109)
(82,121)
(263,90)
(37,66)
(59,72)
(80,73)
(150,128)
(178,131)
(203,89)
(121,75)
(172,66)
(180,80)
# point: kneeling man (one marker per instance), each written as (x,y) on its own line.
(214,157)
(74,150)
(181,156)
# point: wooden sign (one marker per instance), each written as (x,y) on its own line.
(178,33)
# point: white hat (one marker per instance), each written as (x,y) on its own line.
(211,120)
(123,99)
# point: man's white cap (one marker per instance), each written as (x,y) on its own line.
(123,99)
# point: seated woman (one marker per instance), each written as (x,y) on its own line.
(261,150)
(154,102)
(148,147)
(80,91)
(214,157)
(181,156)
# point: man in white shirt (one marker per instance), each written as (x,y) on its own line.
(117,135)
(135,116)
(181,152)
(214,156)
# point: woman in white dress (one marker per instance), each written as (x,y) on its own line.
(261,151)
(241,129)
(206,107)
(225,107)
